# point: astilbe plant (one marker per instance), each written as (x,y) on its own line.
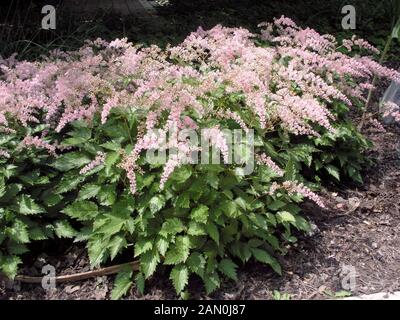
(99,106)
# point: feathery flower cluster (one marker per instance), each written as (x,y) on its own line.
(376,126)
(360,43)
(172,163)
(293,187)
(98,160)
(267,161)
(4,154)
(290,84)
(216,137)
(300,188)
(391,109)
(228,114)
(38,143)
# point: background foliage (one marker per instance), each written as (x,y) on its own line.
(21,21)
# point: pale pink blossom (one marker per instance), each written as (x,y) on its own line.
(267,161)
(376,125)
(98,160)
(38,143)
(300,188)
(221,73)
(391,109)
(4,154)
(217,139)
(293,187)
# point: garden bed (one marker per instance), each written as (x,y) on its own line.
(87,177)
(360,227)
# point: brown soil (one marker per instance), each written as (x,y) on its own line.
(360,228)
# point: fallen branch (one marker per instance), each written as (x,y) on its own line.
(83,275)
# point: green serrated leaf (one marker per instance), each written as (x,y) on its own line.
(178,252)
(264,257)
(116,244)
(230,209)
(212,231)
(9,266)
(97,251)
(27,206)
(182,201)
(139,280)
(37,234)
(52,199)
(149,262)
(290,170)
(156,203)
(302,224)
(142,246)
(200,214)
(107,195)
(333,171)
(16,248)
(276,205)
(18,232)
(228,268)
(81,210)
(73,141)
(81,131)
(122,284)
(111,159)
(171,226)
(11,191)
(285,216)
(70,161)
(181,174)
(109,224)
(162,245)
(180,277)
(69,181)
(196,263)
(34,178)
(89,191)
(113,146)
(63,229)
(211,282)
(196,229)
(241,203)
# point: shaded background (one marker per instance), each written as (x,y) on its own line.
(20,22)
